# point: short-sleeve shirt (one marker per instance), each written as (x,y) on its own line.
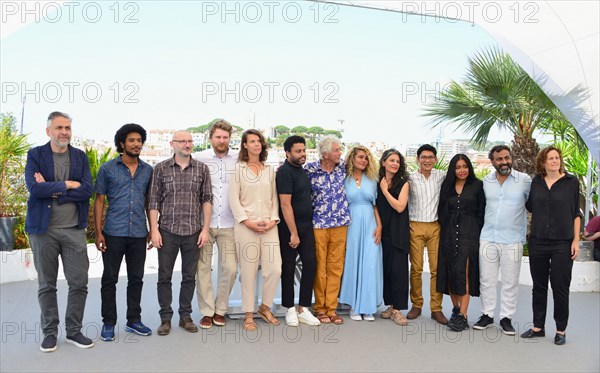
(424,195)
(328,194)
(293,180)
(126,195)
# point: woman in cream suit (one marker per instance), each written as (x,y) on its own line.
(254,203)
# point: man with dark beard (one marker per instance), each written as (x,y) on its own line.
(502,238)
(124,182)
(296,234)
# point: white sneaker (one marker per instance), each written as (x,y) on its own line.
(355,316)
(305,317)
(368,317)
(291,317)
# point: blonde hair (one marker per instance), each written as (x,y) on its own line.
(370,170)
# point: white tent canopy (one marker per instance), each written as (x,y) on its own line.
(556,42)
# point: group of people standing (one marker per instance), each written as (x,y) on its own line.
(355,224)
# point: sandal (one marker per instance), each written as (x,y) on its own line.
(249,324)
(336,319)
(265,313)
(323,318)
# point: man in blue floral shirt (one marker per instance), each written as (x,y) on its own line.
(331,218)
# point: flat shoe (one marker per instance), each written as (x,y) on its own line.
(560,339)
(323,318)
(533,334)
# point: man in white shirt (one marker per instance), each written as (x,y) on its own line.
(502,238)
(423,202)
(221,164)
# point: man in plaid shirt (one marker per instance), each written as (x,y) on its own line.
(180,191)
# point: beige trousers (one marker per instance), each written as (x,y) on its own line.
(227,268)
(254,249)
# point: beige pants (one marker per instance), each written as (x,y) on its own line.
(227,268)
(254,249)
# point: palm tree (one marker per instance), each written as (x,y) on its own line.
(96,159)
(497,92)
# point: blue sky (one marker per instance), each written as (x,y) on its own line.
(354,64)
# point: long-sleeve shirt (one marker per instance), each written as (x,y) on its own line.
(252,196)
(178,195)
(554,210)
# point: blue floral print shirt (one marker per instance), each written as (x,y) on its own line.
(330,207)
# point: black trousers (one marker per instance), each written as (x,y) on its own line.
(550,259)
(395,275)
(134,251)
(308,256)
(190,253)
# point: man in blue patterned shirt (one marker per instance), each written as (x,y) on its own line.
(331,218)
(124,182)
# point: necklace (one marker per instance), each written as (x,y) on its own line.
(358,180)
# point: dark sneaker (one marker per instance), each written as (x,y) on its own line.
(459,324)
(138,328)
(484,322)
(560,339)
(48,344)
(80,341)
(506,326)
(108,332)
(455,312)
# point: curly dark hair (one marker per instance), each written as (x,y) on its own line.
(125,130)
(243,156)
(402,173)
(540,161)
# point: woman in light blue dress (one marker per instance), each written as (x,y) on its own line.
(362,281)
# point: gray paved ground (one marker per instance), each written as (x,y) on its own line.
(355,346)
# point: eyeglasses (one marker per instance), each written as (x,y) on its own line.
(184,141)
(427,157)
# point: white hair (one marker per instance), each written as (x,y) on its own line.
(326,144)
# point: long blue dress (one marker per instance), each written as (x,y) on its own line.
(362,281)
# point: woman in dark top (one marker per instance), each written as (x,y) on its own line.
(392,204)
(554,239)
(460,212)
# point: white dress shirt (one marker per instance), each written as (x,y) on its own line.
(222,171)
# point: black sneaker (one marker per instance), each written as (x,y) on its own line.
(48,344)
(485,322)
(455,312)
(459,324)
(506,326)
(80,341)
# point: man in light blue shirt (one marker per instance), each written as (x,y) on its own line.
(502,238)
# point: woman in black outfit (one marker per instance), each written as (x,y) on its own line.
(460,212)
(392,204)
(554,239)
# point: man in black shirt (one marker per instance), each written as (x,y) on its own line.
(296,232)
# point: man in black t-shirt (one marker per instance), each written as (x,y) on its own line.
(296,232)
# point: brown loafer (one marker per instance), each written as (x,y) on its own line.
(164,328)
(218,320)
(439,317)
(188,324)
(413,313)
(206,322)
